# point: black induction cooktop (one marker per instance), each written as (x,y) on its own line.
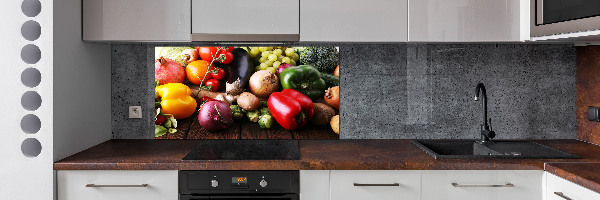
(245,150)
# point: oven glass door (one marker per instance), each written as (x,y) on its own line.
(554,11)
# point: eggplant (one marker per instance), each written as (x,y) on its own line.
(238,72)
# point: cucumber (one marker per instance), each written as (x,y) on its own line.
(330,80)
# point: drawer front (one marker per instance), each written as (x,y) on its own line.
(379,185)
(314,185)
(246,17)
(482,184)
(117,185)
(566,190)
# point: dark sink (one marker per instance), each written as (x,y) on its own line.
(492,149)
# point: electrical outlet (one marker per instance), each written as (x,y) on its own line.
(135,111)
(593,114)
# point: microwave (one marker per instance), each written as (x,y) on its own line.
(556,19)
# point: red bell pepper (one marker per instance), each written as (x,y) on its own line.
(290,108)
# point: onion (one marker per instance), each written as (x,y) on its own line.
(332,97)
(248,101)
(282,67)
(189,55)
(263,83)
(215,115)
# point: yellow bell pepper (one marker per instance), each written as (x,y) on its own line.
(176,100)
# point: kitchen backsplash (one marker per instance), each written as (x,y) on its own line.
(397,91)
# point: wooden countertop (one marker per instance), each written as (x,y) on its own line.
(581,173)
(315,155)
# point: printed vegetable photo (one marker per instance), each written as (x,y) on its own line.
(247,92)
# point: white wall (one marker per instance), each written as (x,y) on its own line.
(24,177)
(75,91)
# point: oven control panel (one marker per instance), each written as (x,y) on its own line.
(239,183)
(223,182)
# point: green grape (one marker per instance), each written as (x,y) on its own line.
(279,58)
(263,66)
(254,51)
(277,52)
(293,62)
(272,57)
(265,53)
(269,48)
(262,59)
(295,57)
(289,52)
(272,69)
(269,63)
(276,64)
(262,49)
(257,68)
(286,60)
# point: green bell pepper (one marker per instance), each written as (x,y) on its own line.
(304,78)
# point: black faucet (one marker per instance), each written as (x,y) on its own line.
(486,129)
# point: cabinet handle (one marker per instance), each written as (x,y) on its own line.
(560,194)
(94,185)
(367,184)
(505,185)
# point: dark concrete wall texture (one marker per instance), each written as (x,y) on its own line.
(406,91)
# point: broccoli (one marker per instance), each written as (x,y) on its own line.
(264,111)
(266,122)
(253,115)
(236,111)
(325,59)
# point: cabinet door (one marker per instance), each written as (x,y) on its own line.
(468,20)
(314,185)
(244,20)
(117,185)
(136,20)
(482,184)
(379,185)
(561,189)
(354,20)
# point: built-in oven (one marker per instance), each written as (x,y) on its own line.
(233,185)
(555,17)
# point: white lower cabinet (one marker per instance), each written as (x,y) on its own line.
(314,184)
(375,185)
(561,189)
(117,185)
(340,185)
(482,184)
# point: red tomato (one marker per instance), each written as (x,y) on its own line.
(206,53)
(228,49)
(205,98)
(228,57)
(215,84)
(160,120)
(219,75)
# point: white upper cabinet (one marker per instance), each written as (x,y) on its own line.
(136,20)
(244,20)
(468,20)
(353,20)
